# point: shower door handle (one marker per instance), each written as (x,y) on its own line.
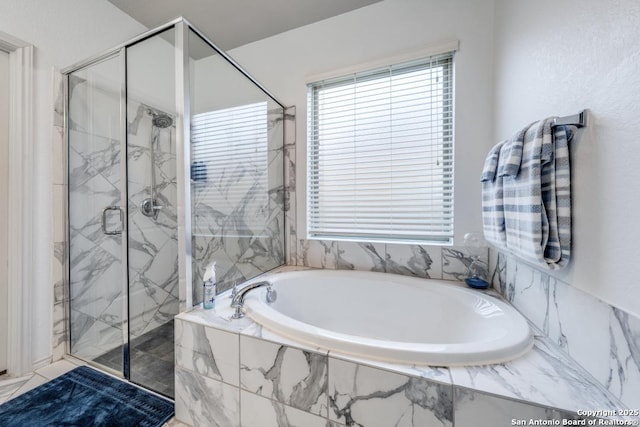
(104,220)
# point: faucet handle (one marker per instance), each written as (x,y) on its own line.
(238,314)
(272,295)
(234,292)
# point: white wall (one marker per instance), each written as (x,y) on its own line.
(216,84)
(151,72)
(4,188)
(283,62)
(63,32)
(556,58)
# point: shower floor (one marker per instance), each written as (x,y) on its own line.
(151,359)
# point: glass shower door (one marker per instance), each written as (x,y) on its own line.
(123,186)
(152,214)
(96,211)
(123,265)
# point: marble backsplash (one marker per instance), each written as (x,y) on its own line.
(429,262)
(601,338)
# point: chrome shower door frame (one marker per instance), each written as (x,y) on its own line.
(183,161)
(120,53)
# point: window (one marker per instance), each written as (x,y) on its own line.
(380,154)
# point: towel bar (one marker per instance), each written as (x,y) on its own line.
(579,120)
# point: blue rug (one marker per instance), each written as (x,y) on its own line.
(85,397)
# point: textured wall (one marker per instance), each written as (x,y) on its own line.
(557,58)
(284,62)
(583,55)
(59,32)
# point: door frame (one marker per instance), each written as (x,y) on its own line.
(20,204)
(120,56)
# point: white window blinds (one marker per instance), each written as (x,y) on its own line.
(380,154)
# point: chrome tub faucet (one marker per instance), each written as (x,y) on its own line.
(237,297)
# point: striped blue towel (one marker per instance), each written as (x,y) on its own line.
(526,198)
(503,160)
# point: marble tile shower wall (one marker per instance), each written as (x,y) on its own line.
(153,242)
(59,221)
(95,170)
(603,339)
(244,232)
(94,166)
(240,255)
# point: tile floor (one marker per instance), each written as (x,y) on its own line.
(13,387)
(152,360)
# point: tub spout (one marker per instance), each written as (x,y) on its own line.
(237,301)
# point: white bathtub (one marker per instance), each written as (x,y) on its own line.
(391,318)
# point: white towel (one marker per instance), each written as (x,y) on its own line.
(526,200)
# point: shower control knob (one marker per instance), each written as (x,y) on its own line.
(150,208)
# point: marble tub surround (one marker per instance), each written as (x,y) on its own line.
(292,376)
(201,401)
(207,351)
(274,370)
(283,385)
(473,407)
(544,376)
(604,340)
(430,262)
(362,395)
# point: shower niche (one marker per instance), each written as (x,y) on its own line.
(175,160)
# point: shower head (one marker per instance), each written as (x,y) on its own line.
(162,120)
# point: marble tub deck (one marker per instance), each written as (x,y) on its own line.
(544,383)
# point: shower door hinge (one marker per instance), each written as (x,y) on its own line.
(104,220)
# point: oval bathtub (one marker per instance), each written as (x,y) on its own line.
(391,318)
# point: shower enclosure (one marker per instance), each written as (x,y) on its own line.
(175,160)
